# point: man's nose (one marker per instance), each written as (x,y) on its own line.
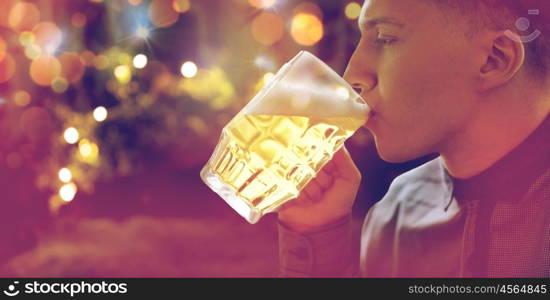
(359,73)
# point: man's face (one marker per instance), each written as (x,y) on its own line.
(417,74)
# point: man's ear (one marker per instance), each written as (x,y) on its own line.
(503,60)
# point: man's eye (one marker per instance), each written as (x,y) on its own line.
(383,41)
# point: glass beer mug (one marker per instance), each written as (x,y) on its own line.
(279,141)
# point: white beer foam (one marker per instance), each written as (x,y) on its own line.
(285,98)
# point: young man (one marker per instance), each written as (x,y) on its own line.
(470,80)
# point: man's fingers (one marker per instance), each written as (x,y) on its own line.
(301,200)
(324,179)
(289,204)
(341,167)
(330,167)
(344,165)
(313,191)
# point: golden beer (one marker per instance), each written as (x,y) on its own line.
(267,159)
(281,139)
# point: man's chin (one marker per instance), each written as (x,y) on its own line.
(394,159)
(396,155)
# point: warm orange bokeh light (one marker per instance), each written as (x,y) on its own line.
(2,48)
(78,19)
(44,69)
(5,8)
(162,13)
(23,16)
(262,3)
(87,57)
(22,98)
(306,29)
(47,36)
(135,2)
(7,68)
(308,8)
(267,28)
(101,62)
(181,6)
(72,68)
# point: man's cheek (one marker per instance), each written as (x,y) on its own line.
(396,84)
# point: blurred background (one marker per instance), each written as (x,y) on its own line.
(110,108)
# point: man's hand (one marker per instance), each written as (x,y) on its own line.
(327,198)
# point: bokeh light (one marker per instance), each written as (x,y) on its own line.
(306,29)
(59,85)
(88,151)
(87,58)
(5,8)
(22,98)
(101,62)
(267,28)
(308,8)
(123,74)
(264,62)
(142,32)
(2,48)
(68,191)
(162,13)
(352,10)
(26,38)
(85,148)
(78,19)
(23,16)
(32,51)
(71,135)
(123,58)
(140,61)
(211,85)
(189,69)
(7,68)
(262,3)
(44,69)
(181,6)
(47,36)
(72,68)
(65,175)
(100,113)
(135,2)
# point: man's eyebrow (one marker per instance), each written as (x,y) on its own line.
(371,23)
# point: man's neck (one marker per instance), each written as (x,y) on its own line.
(488,139)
